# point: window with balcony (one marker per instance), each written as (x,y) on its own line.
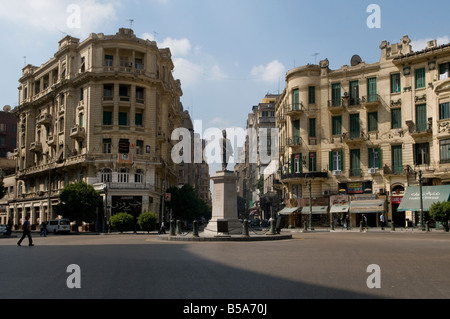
(108,90)
(444,70)
(397,159)
(354,92)
(123,176)
(139,119)
(337,160)
(124,93)
(312,163)
(444,111)
(139,65)
(372,90)
(444,151)
(140,95)
(336,125)
(421,152)
(107,118)
(296,131)
(336,94)
(420,78)
(421,118)
(109,60)
(395,83)
(295,99)
(296,163)
(106,175)
(355,128)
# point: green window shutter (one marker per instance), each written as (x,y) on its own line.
(354,93)
(354,126)
(380,157)
(371,161)
(330,156)
(312,95)
(295,100)
(336,94)
(292,163)
(420,78)
(421,117)
(396,118)
(342,160)
(372,90)
(312,127)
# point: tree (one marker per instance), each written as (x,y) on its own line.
(186,204)
(122,222)
(147,221)
(440,212)
(79,203)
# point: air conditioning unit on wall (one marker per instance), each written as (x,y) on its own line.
(372,170)
(336,173)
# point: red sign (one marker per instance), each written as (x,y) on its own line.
(396,199)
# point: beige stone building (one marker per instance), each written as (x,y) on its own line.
(100,111)
(364,132)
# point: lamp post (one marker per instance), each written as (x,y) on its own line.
(421,201)
(308,183)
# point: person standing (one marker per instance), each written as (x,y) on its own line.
(382,221)
(26,232)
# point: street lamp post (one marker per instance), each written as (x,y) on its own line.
(308,183)
(421,201)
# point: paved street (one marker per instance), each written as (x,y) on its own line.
(311,265)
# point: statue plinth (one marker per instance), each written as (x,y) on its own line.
(224,206)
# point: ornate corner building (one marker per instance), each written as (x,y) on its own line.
(100,111)
(365,131)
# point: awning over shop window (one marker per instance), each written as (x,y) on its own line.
(367,206)
(288,210)
(315,210)
(430,195)
(339,209)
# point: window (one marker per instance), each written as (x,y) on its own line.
(312,162)
(296,131)
(140,95)
(109,60)
(355,163)
(421,152)
(123,176)
(421,118)
(138,119)
(81,94)
(107,92)
(138,64)
(124,62)
(124,93)
(444,71)
(336,160)
(107,118)
(295,100)
(139,176)
(397,159)
(312,127)
(107,146)
(444,147)
(61,124)
(375,157)
(123,119)
(139,147)
(444,111)
(296,163)
(354,93)
(372,95)
(106,175)
(336,123)
(395,83)
(355,130)
(420,78)
(80,120)
(396,118)
(336,94)
(312,95)
(372,121)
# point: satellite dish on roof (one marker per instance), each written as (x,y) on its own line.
(7,108)
(356,59)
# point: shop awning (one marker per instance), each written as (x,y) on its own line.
(288,210)
(367,206)
(315,210)
(339,209)
(430,195)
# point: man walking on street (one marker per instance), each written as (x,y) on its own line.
(26,232)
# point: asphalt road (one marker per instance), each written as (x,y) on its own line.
(309,266)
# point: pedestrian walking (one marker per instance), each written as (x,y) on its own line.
(382,221)
(162,229)
(347,222)
(364,222)
(43,229)
(26,232)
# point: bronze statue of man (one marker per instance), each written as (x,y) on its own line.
(227,150)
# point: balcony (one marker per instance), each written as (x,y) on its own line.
(420,130)
(44,119)
(51,140)
(308,175)
(336,105)
(77,133)
(294,141)
(371,101)
(395,169)
(36,147)
(296,109)
(354,137)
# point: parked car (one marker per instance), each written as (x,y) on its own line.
(58,226)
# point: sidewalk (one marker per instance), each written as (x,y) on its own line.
(339,229)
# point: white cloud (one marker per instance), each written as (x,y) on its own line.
(217,73)
(178,47)
(420,44)
(57,15)
(187,71)
(270,72)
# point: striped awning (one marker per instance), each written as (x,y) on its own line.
(288,210)
(316,210)
(367,206)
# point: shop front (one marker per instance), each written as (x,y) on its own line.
(371,208)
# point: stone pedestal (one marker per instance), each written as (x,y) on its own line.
(224,206)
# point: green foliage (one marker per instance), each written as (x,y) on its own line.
(79,202)
(186,204)
(440,212)
(260,184)
(147,221)
(122,222)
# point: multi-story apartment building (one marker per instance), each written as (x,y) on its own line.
(8,131)
(100,111)
(364,132)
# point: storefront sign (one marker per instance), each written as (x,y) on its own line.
(396,199)
(354,188)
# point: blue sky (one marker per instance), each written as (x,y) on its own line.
(228,53)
